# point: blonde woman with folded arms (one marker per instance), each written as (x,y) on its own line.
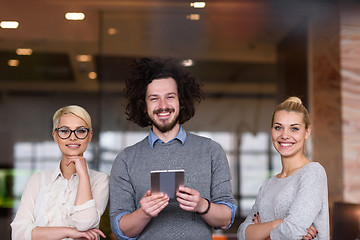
(294,203)
(68,201)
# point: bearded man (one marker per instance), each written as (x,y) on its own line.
(163,94)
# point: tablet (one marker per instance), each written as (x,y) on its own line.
(167,181)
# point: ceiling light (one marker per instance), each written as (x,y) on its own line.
(198,4)
(92,75)
(112,31)
(13,62)
(9,24)
(83,58)
(24,51)
(188,62)
(74,16)
(193,17)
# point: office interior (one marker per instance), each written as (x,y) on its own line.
(249,55)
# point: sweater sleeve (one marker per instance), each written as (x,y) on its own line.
(221,191)
(246,223)
(122,194)
(220,176)
(254,210)
(306,205)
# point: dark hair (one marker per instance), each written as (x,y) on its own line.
(143,71)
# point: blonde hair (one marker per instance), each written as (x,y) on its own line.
(293,104)
(74,110)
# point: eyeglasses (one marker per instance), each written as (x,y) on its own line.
(80,133)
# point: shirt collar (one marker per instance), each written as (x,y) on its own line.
(181,136)
(57,172)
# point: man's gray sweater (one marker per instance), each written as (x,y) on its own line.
(206,170)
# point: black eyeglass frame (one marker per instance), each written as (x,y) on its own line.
(73,131)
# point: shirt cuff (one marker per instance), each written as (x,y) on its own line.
(233,208)
(116,228)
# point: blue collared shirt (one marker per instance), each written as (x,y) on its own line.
(181,136)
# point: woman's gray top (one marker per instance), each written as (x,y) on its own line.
(300,199)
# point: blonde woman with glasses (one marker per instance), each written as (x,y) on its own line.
(68,201)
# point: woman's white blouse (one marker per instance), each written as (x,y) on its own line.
(48,200)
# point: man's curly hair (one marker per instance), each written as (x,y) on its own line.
(143,71)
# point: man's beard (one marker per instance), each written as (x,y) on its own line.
(167,127)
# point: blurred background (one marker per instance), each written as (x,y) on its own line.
(248,54)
